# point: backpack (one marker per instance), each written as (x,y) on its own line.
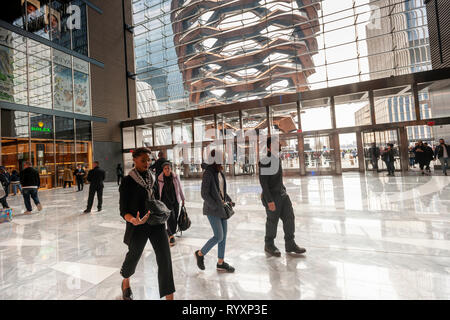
(183,220)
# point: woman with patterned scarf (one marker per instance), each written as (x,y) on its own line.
(135,190)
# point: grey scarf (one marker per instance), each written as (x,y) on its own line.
(146,183)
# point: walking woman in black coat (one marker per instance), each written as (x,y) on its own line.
(135,189)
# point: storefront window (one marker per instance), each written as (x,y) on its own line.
(316,114)
(14,142)
(43,148)
(352,110)
(84,143)
(144,136)
(394,105)
(163,135)
(65,148)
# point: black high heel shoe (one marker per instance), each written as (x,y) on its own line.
(127,294)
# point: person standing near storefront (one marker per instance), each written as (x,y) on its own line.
(15,182)
(68,177)
(442,152)
(421,156)
(374,153)
(277,203)
(4,180)
(214,194)
(96,176)
(171,193)
(30,181)
(79,176)
(135,190)
(429,156)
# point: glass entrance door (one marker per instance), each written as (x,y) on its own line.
(319,155)
(375,143)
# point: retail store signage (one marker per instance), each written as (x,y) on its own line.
(41,128)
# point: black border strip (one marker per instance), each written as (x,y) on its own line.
(39,39)
(93,6)
(50,112)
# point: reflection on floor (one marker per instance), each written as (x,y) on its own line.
(367,236)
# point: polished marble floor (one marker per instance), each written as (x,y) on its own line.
(367,236)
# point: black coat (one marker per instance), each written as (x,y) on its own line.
(439,151)
(29,177)
(132,199)
(157,166)
(79,177)
(96,177)
(212,205)
(271,184)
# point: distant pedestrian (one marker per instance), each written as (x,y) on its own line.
(171,193)
(30,181)
(389,159)
(421,155)
(68,177)
(442,153)
(119,173)
(429,156)
(79,176)
(157,166)
(96,176)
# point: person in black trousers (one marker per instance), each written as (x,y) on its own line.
(277,203)
(96,177)
(135,189)
(79,174)
(119,173)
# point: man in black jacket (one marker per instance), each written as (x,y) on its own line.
(442,152)
(157,166)
(30,181)
(277,203)
(79,174)
(96,177)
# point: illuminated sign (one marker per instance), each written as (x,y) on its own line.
(41,128)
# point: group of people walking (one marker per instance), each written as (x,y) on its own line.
(421,153)
(139,186)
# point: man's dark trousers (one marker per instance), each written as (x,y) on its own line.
(285,212)
(92,191)
(80,184)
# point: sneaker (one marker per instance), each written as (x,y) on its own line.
(172,241)
(200,260)
(87,211)
(272,250)
(225,267)
(27,212)
(39,206)
(294,248)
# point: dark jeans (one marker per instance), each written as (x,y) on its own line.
(374,162)
(119,179)
(390,167)
(285,212)
(92,191)
(68,182)
(158,238)
(27,193)
(172,222)
(80,184)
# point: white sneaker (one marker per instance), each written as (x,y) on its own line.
(27,212)
(39,206)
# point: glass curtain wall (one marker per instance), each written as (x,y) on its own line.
(193,54)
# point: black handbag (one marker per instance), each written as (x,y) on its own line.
(229,211)
(183,220)
(159,213)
